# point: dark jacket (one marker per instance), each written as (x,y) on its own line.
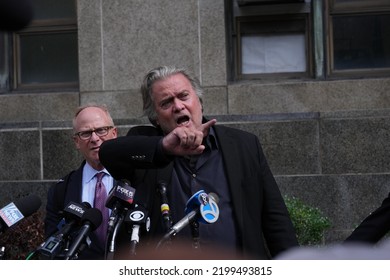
(265,228)
(66,190)
(374,226)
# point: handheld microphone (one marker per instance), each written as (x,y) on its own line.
(16,14)
(92,218)
(12,213)
(119,200)
(165,211)
(56,243)
(201,207)
(137,219)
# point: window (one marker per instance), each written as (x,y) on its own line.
(310,39)
(273,45)
(271,39)
(359,38)
(44,54)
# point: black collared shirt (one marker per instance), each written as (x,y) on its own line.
(204,172)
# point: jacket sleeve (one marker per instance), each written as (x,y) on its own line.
(53,208)
(374,226)
(121,156)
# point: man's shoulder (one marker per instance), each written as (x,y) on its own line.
(219,129)
(147,130)
(64,180)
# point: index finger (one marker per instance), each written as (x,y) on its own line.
(205,126)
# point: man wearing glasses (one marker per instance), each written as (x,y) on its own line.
(92,125)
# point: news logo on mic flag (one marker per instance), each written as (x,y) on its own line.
(210,211)
(11,214)
(208,207)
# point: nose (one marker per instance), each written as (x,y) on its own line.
(177,105)
(94,136)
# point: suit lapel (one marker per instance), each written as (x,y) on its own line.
(74,186)
(230,158)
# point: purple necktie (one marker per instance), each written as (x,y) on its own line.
(100,203)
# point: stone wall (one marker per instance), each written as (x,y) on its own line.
(337,162)
(326,140)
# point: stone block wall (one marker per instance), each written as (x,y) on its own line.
(337,162)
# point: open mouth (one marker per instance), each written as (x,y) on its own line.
(182,121)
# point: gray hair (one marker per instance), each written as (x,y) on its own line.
(161,73)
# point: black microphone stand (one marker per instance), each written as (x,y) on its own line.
(166,215)
(195,235)
(111,238)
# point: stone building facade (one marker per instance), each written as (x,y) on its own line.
(326,139)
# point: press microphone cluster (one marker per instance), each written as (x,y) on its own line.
(201,207)
(91,219)
(119,200)
(56,246)
(165,210)
(14,212)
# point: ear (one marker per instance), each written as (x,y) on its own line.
(115,132)
(76,142)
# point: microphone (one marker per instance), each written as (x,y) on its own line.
(136,218)
(58,242)
(12,213)
(15,14)
(165,211)
(119,200)
(92,218)
(201,207)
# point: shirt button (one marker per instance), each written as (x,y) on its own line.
(194,175)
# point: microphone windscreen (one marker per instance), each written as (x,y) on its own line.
(93,216)
(28,205)
(86,204)
(15,14)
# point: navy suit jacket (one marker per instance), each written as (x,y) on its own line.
(265,228)
(66,190)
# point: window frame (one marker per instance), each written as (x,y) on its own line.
(286,75)
(358,8)
(258,13)
(59,27)
(357,5)
(43,27)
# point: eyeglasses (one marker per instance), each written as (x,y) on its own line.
(100,131)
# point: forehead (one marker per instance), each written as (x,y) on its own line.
(91,116)
(171,85)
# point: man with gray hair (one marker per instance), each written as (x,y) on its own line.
(191,154)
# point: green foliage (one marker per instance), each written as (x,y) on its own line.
(309,222)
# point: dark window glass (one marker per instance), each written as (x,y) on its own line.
(361,41)
(48,58)
(50,9)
